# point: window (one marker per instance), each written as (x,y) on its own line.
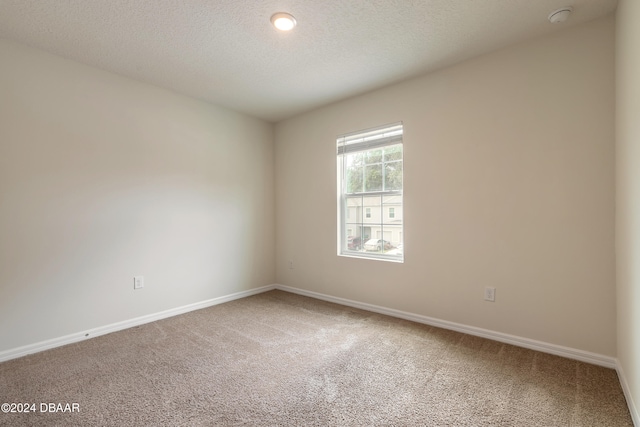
(370,173)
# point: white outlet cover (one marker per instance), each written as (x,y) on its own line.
(138,282)
(489,294)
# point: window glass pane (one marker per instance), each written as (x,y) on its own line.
(372,208)
(392,224)
(393,176)
(353,225)
(373,177)
(393,153)
(355,236)
(354,172)
(373,156)
(354,206)
(354,179)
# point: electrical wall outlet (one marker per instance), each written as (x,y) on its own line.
(138,282)
(290,265)
(490,294)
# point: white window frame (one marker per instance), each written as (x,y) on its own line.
(362,141)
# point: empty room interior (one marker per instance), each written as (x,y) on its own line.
(190,213)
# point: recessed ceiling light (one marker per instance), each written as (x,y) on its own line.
(283,21)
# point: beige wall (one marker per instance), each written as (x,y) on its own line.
(509,173)
(509,182)
(628,195)
(103,178)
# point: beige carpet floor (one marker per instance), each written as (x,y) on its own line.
(279,359)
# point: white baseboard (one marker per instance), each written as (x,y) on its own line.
(633,410)
(114,327)
(558,350)
(584,356)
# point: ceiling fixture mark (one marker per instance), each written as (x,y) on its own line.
(560,15)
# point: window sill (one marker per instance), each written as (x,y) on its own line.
(371,257)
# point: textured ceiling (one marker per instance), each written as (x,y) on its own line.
(226,51)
